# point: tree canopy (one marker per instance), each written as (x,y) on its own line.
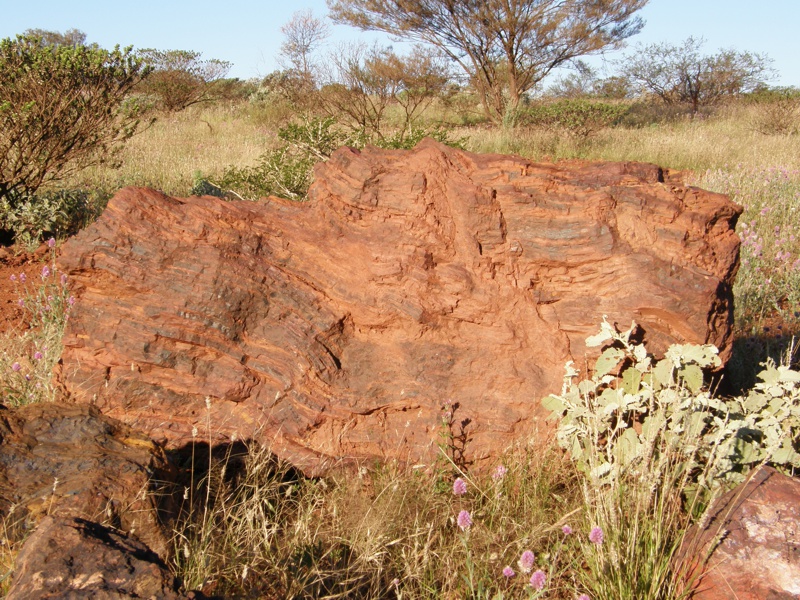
(505,47)
(684,75)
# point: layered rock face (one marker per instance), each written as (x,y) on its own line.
(338,328)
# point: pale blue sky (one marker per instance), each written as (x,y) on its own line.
(247,32)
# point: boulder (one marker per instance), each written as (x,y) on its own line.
(338,328)
(71,462)
(754,533)
(69,557)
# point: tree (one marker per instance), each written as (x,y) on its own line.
(180,78)
(71,37)
(304,34)
(683,75)
(368,79)
(62,108)
(505,47)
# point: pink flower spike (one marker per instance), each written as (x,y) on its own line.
(538,579)
(16,367)
(22,277)
(525,561)
(508,572)
(63,279)
(464,520)
(45,272)
(499,472)
(38,355)
(51,242)
(584,597)
(566,530)
(71,300)
(459,487)
(13,277)
(21,302)
(596,535)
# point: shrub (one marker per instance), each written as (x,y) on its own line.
(55,213)
(656,447)
(578,117)
(778,111)
(61,109)
(288,170)
(180,78)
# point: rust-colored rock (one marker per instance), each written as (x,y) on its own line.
(69,461)
(337,328)
(758,557)
(76,558)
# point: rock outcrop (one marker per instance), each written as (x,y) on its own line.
(75,558)
(757,527)
(337,328)
(69,461)
(82,494)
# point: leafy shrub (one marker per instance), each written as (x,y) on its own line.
(656,447)
(578,117)
(180,78)
(288,170)
(61,109)
(57,213)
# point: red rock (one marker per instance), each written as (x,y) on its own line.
(70,461)
(758,557)
(76,558)
(337,328)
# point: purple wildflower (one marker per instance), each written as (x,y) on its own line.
(459,487)
(21,302)
(464,520)
(71,300)
(566,530)
(38,355)
(13,277)
(22,277)
(16,366)
(526,561)
(51,242)
(63,279)
(596,535)
(584,597)
(538,579)
(45,272)
(499,472)
(508,572)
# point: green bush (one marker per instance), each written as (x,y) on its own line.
(287,171)
(579,118)
(778,111)
(61,109)
(656,448)
(56,213)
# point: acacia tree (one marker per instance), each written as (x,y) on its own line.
(61,109)
(683,75)
(304,34)
(180,78)
(505,47)
(366,80)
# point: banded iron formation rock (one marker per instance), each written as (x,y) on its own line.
(412,287)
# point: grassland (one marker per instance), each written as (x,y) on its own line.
(252,527)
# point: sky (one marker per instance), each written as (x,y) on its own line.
(247,32)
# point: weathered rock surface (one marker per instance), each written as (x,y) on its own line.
(758,557)
(75,558)
(337,328)
(69,461)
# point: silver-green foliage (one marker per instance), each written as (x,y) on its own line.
(633,407)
